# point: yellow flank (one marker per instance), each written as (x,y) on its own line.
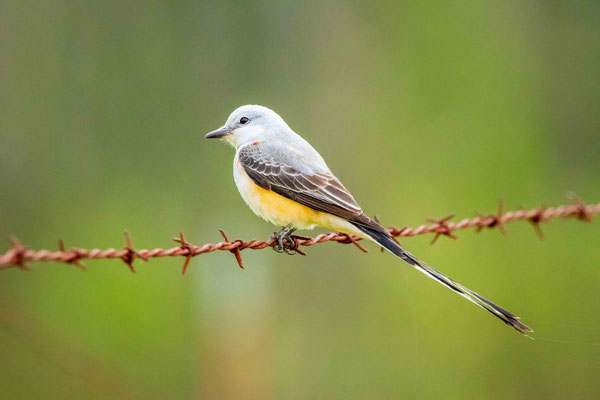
(280,210)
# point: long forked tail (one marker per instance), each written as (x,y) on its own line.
(382,238)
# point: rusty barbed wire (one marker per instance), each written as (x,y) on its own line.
(18,256)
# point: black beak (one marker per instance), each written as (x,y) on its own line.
(219,133)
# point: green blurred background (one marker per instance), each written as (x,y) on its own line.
(422,109)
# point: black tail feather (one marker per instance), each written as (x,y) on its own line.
(381,237)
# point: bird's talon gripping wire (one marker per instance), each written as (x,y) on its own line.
(285,243)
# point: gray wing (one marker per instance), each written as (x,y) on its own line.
(322,191)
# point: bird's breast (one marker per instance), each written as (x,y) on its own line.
(271,206)
(280,210)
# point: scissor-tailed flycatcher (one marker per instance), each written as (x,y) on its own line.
(284,180)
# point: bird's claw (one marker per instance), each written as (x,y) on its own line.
(285,243)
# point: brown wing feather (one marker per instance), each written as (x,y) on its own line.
(322,192)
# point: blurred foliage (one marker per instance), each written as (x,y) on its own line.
(421,108)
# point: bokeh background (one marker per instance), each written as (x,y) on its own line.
(421,108)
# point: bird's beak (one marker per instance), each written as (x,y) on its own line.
(219,133)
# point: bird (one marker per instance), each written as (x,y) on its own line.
(284,180)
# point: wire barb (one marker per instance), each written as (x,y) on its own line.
(236,249)
(354,240)
(73,258)
(130,254)
(492,220)
(185,246)
(18,256)
(536,219)
(582,212)
(442,228)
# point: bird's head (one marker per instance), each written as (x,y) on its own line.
(249,124)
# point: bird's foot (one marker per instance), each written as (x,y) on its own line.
(285,243)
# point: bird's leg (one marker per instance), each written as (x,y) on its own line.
(289,245)
(285,243)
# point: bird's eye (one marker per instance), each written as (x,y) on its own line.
(244,120)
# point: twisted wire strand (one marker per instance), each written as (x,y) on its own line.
(18,256)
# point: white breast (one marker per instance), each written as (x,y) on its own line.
(243,182)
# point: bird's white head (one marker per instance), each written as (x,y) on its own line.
(249,124)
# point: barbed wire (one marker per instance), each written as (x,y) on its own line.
(18,256)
